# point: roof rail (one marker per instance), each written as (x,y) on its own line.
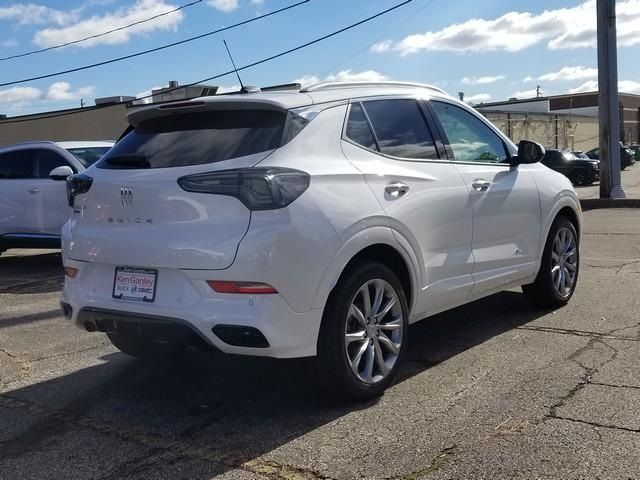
(333,85)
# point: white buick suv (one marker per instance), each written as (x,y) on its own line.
(317,222)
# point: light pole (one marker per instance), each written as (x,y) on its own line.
(610,182)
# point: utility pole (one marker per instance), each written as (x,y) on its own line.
(538,91)
(82,103)
(610,181)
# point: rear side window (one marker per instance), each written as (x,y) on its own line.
(401,129)
(17,164)
(358,128)
(47,160)
(197,138)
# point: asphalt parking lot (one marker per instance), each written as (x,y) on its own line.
(630,179)
(490,390)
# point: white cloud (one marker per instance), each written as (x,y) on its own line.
(478,98)
(629,86)
(62,91)
(624,86)
(482,80)
(307,80)
(526,94)
(32,14)
(343,76)
(381,46)
(9,43)
(20,95)
(140,10)
(561,28)
(225,5)
(17,97)
(566,74)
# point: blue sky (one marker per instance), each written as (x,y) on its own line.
(489,49)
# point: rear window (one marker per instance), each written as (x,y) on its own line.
(89,155)
(198,138)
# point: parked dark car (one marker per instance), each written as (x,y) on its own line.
(635,148)
(581,155)
(626,156)
(580,171)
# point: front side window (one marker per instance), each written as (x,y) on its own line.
(470,139)
(17,164)
(401,128)
(47,160)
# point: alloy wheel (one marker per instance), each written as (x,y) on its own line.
(373,331)
(564,262)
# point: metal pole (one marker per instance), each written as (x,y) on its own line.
(610,182)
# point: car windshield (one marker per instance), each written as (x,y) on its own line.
(569,156)
(88,155)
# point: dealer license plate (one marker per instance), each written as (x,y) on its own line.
(131,283)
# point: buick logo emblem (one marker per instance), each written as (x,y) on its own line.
(126,196)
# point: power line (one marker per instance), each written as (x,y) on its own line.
(229,72)
(377,39)
(162,47)
(80,40)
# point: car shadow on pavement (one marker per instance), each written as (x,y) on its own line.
(41,273)
(209,412)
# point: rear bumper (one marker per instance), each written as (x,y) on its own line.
(185,302)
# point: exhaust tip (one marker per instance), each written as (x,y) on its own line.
(67,310)
(90,326)
(241,336)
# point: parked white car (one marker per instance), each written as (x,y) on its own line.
(319,222)
(33,203)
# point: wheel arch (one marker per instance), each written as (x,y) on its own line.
(378,244)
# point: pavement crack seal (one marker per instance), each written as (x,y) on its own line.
(585,378)
(280,471)
(611,385)
(596,424)
(435,465)
(579,333)
(25,366)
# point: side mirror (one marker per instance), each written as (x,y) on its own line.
(61,172)
(529,152)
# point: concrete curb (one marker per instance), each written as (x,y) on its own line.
(595,203)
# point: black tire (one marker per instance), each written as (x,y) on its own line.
(542,291)
(333,366)
(579,176)
(143,348)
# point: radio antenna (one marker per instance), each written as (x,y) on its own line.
(235,69)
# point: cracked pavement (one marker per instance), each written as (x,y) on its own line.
(494,389)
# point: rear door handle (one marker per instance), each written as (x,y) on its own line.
(481,185)
(33,190)
(396,189)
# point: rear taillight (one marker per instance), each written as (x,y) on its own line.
(258,188)
(76,185)
(241,287)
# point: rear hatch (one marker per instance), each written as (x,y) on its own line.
(136,214)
